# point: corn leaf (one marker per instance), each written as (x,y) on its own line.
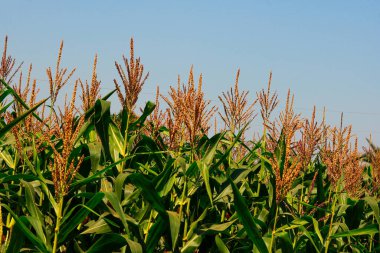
(247,220)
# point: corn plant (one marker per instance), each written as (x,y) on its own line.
(82,179)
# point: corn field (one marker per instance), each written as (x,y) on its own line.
(75,177)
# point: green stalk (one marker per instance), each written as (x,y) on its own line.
(148,227)
(299,203)
(181,206)
(187,215)
(371,236)
(1,227)
(264,135)
(274,230)
(257,195)
(126,152)
(58,224)
(331,220)
(223,214)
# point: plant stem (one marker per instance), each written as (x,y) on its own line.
(331,221)
(274,230)
(148,227)
(1,227)
(184,195)
(223,216)
(58,224)
(125,151)
(187,217)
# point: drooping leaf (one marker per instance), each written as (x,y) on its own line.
(36,220)
(371,201)
(20,100)
(71,223)
(92,109)
(175,224)
(192,244)
(247,220)
(149,192)
(102,119)
(10,125)
(97,227)
(367,230)
(148,109)
(216,228)
(134,247)
(222,248)
(206,178)
(95,152)
(115,203)
(108,243)
(155,234)
(20,222)
(17,239)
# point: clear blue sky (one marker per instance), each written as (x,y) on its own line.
(326,52)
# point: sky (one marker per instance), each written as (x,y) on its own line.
(326,52)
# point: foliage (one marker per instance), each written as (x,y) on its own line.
(98,182)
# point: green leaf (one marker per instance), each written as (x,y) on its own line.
(4,94)
(165,180)
(308,235)
(20,100)
(237,175)
(134,247)
(210,154)
(119,185)
(280,153)
(108,243)
(115,203)
(285,243)
(155,233)
(216,228)
(9,126)
(95,153)
(247,220)
(149,192)
(5,107)
(20,222)
(367,230)
(87,125)
(192,244)
(36,220)
(17,238)
(70,225)
(97,227)
(148,109)
(228,151)
(175,224)
(206,178)
(371,201)
(222,248)
(116,140)
(321,194)
(353,212)
(98,175)
(195,224)
(102,119)
(292,225)
(317,230)
(17,178)
(92,109)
